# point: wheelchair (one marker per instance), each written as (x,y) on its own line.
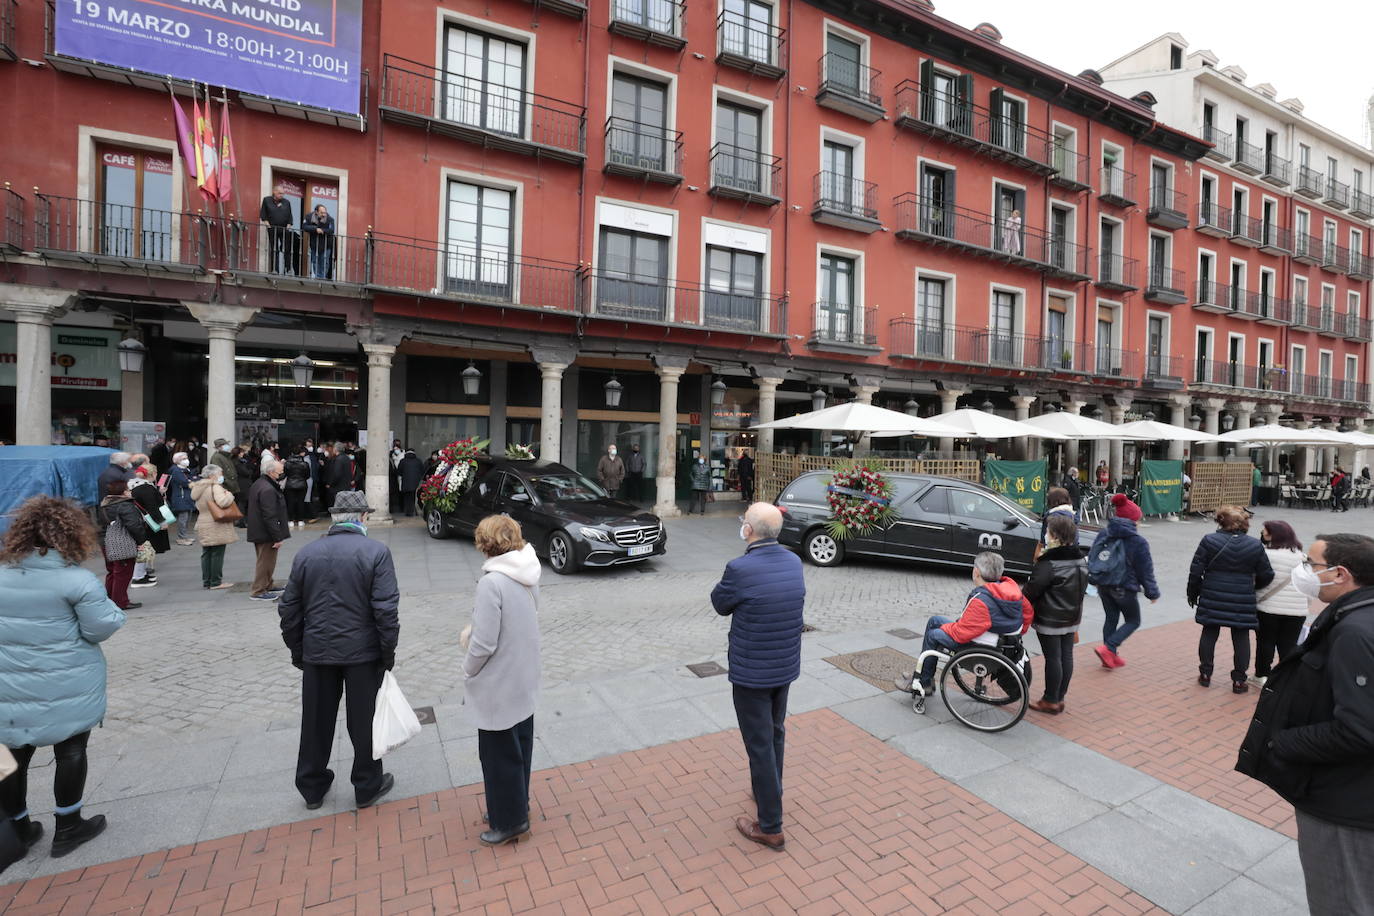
(986,688)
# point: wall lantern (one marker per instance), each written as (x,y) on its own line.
(302,371)
(818,399)
(1195,421)
(718,389)
(912,407)
(1228,422)
(131,353)
(472,380)
(613,390)
(987,406)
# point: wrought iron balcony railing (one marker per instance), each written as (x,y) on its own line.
(1337,194)
(1115,271)
(745,174)
(658,22)
(1277,170)
(849,87)
(935,342)
(1168,208)
(108,233)
(747,44)
(1310,183)
(1247,158)
(1214,219)
(1223,148)
(649,151)
(843,323)
(845,198)
(14,207)
(1116,186)
(984,130)
(1361,205)
(986,235)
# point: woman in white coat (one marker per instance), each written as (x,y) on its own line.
(1282,610)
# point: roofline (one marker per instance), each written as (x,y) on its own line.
(1143,47)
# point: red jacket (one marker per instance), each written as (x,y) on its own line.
(975,621)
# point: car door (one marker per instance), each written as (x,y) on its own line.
(516,501)
(922,529)
(978,523)
(480,500)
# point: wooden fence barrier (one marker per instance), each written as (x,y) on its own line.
(774,470)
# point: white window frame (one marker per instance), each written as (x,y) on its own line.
(744,100)
(865,43)
(854,141)
(1168,249)
(672,242)
(858,256)
(1306,290)
(951,281)
(517,189)
(448,17)
(1118,317)
(1070,299)
(1294,349)
(1356,241)
(1352,303)
(634,68)
(88,167)
(1168,332)
(1019,324)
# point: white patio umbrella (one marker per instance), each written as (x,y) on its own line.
(1274,434)
(978,424)
(856,417)
(1076,426)
(1155,431)
(1357,438)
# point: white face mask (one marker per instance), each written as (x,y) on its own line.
(224,448)
(611,453)
(183,463)
(1307,581)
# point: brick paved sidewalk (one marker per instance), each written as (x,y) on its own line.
(1153,716)
(869,830)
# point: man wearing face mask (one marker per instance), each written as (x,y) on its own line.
(763,593)
(179,497)
(611,470)
(222,459)
(1312,737)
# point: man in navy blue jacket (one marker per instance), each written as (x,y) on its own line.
(764,591)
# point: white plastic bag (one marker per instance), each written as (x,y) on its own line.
(393,722)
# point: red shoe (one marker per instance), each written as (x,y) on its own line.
(1105,656)
(1118,661)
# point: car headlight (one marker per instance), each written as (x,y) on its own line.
(595,534)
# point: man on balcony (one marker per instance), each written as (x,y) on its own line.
(276,213)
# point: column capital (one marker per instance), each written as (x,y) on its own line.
(226,320)
(767,382)
(1245,406)
(371,335)
(864,393)
(950,389)
(1183,401)
(669,373)
(35,304)
(561,356)
(1213,405)
(379,355)
(1023,401)
(1072,406)
(867,381)
(1121,400)
(551,372)
(663,361)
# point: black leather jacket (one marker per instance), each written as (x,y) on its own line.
(1056,587)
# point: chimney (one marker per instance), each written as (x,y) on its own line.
(988,31)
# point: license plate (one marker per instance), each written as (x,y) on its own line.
(641,550)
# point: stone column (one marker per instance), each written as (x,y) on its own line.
(768,408)
(1026,447)
(1302,455)
(864,390)
(496,423)
(669,374)
(552,364)
(222,324)
(379,429)
(1071,445)
(1117,414)
(131,393)
(35,308)
(949,400)
(1211,423)
(1179,404)
(1244,412)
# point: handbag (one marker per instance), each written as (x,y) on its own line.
(145,553)
(229,513)
(119,544)
(168,516)
(1208,568)
(154,525)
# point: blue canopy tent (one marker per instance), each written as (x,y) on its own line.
(68,471)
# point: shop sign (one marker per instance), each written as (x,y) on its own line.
(254,411)
(1161,487)
(1023,482)
(81,358)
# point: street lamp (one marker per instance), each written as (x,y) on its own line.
(613,390)
(1228,422)
(302,371)
(718,389)
(1195,421)
(987,406)
(818,399)
(912,407)
(131,353)
(472,380)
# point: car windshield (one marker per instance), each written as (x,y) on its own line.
(565,488)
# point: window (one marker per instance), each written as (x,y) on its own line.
(1302,234)
(1113,178)
(1266,294)
(639,123)
(1008,121)
(1241,126)
(1056,332)
(835,316)
(1157,333)
(1356,241)
(1271,142)
(1240,210)
(968,504)
(634,274)
(1203,371)
(1357,181)
(1109,260)
(1266,360)
(1002,345)
(734,281)
(1209,119)
(1207,208)
(1352,376)
(1297,368)
(934,501)
(930,316)
(1061,237)
(747,30)
(1159,262)
(1329,241)
(303,194)
(1324,374)
(1328,315)
(1331,168)
(1205,275)
(1270,227)
(1237,297)
(484,81)
(655,15)
(843,64)
(1106,339)
(1175,57)
(946,98)
(1235,359)
(1304,155)
(937,201)
(1009,220)
(1066,152)
(739,156)
(1352,304)
(478,241)
(1160,196)
(1299,294)
(838,191)
(134,194)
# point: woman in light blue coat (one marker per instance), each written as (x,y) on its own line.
(52,672)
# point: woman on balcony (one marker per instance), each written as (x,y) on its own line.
(318,227)
(1011,233)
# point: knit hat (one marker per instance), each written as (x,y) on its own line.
(1125,508)
(356,501)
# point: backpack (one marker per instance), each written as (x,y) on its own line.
(1109,563)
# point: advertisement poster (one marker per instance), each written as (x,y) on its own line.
(1023,482)
(303,51)
(137,436)
(81,358)
(1161,487)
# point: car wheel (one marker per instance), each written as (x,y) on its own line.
(822,549)
(434,524)
(561,556)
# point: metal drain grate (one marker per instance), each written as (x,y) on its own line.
(425,714)
(903,633)
(875,666)
(706,669)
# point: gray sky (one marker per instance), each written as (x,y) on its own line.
(1319,51)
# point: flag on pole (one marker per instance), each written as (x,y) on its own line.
(206,154)
(185,140)
(226,154)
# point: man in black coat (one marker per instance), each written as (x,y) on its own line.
(411,471)
(276,213)
(267,529)
(338,619)
(121,467)
(1071,483)
(1312,737)
(337,473)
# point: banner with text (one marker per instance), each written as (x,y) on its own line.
(303,51)
(1023,482)
(1161,487)
(81,358)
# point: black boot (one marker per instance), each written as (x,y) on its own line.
(28,831)
(73,830)
(501,837)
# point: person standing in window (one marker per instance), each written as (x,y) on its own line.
(1011,233)
(276,213)
(319,230)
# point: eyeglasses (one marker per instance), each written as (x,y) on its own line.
(1307,561)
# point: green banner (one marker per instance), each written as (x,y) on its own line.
(1023,482)
(1161,487)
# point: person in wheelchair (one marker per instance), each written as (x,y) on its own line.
(995,608)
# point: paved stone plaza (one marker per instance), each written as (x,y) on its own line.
(1126,803)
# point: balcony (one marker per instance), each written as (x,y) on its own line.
(748,45)
(981,234)
(850,88)
(1117,186)
(1277,171)
(1222,146)
(1336,194)
(12,238)
(1162,373)
(246,249)
(1247,158)
(1310,184)
(1221,298)
(1072,171)
(1361,268)
(454,271)
(960,122)
(658,22)
(113,235)
(1327,324)
(745,174)
(1335,258)
(8,50)
(1275,240)
(1215,220)
(1168,208)
(1361,205)
(650,152)
(649,300)
(844,328)
(1356,328)
(845,202)
(1117,272)
(1320,387)
(1307,249)
(574,8)
(481,112)
(1265,308)
(1305,317)
(1246,230)
(983,347)
(1164,285)
(1211,373)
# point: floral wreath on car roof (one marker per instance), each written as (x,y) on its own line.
(516,452)
(860,498)
(453,475)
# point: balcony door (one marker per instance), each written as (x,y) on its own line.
(1159,187)
(1159,262)
(843,64)
(479,240)
(1002,343)
(133,216)
(1061,229)
(837,176)
(937,201)
(654,15)
(1009,228)
(1059,355)
(739,139)
(633,280)
(1203,372)
(734,280)
(639,124)
(1106,339)
(484,81)
(1297,371)
(835,308)
(1106,247)
(930,317)
(747,30)
(1157,340)
(1324,369)
(1235,361)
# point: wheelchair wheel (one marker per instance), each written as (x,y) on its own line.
(984,690)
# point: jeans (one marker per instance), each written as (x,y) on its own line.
(1058,665)
(1276,632)
(935,638)
(507,757)
(69,781)
(320,257)
(212,565)
(184,526)
(1240,647)
(761,712)
(118,574)
(1119,603)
